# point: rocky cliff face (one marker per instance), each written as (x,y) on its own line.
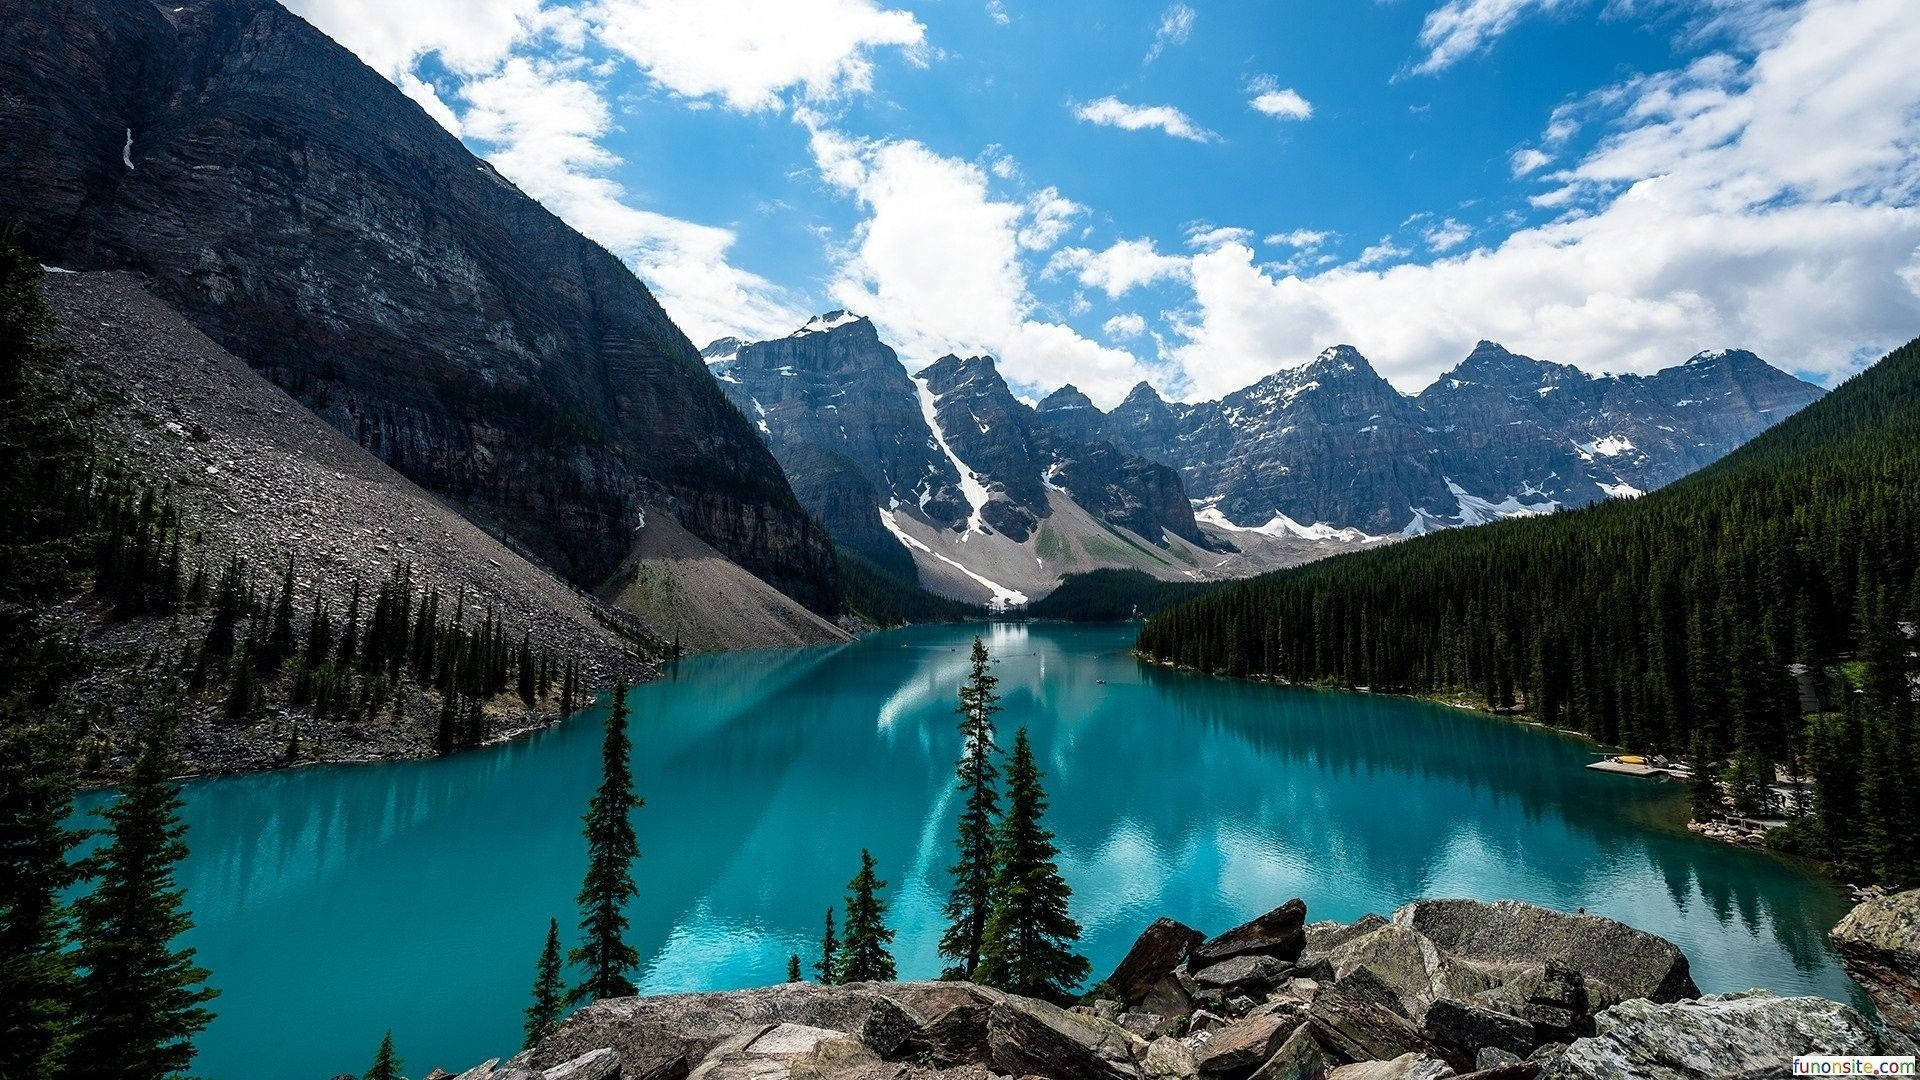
(1504,991)
(315,222)
(1500,435)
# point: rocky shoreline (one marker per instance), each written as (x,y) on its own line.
(1442,988)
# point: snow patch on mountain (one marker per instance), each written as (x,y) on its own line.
(1475,510)
(1620,491)
(1282,525)
(1003,597)
(971,486)
(1609,446)
(820,324)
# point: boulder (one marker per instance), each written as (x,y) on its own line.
(1404,1067)
(1326,934)
(1492,1057)
(1410,963)
(1467,1030)
(777,1053)
(1169,998)
(950,1018)
(1149,1026)
(1169,1059)
(1242,972)
(1879,945)
(1511,934)
(1238,1049)
(1512,1070)
(1280,933)
(1558,1001)
(1027,1037)
(1155,953)
(672,1033)
(1754,1033)
(1359,1028)
(1362,984)
(1300,1057)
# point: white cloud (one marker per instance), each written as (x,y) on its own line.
(1279,102)
(1528,160)
(1118,269)
(1205,237)
(937,261)
(746,53)
(544,123)
(1176,26)
(1447,235)
(1768,204)
(997,11)
(1112,112)
(1383,252)
(1304,239)
(1126,325)
(1459,28)
(1049,216)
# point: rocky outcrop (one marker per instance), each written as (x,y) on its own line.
(1879,944)
(1747,1035)
(1306,1017)
(315,222)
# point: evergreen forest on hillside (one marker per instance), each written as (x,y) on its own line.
(1757,617)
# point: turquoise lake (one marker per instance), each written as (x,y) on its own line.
(333,903)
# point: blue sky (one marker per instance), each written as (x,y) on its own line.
(1199,193)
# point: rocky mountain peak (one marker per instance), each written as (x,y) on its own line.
(837,320)
(1067,397)
(1143,393)
(721,350)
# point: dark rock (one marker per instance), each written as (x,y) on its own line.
(1168,997)
(1410,963)
(1280,933)
(1510,935)
(1404,1067)
(1149,1026)
(1723,1035)
(1879,945)
(1324,935)
(1361,1029)
(1558,1001)
(1301,1057)
(1363,985)
(1242,972)
(1026,1037)
(1515,1070)
(949,1018)
(1155,953)
(1238,1049)
(1468,1029)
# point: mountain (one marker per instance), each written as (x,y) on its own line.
(311,219)
(1333,444)
(947,478)
(1757,613)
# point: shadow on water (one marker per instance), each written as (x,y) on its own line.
(414,895)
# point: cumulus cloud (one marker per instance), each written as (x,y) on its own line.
(1128,324)
(1112,112)
(543,123)
(1458,29)
(1528,160)
(746,53)
(1767,203)
(1176,26)
(1050,215)
(1279,102)
(1119,268)
(1203,236)
(1447,235)
(937,260)
(1304,239)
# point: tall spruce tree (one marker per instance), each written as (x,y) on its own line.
(386,1063)
(793,967)
(972,897)
(140,1000)
(549,993)
(1029,940)
(36,974)
(611,850)
(828,969)
(863,953)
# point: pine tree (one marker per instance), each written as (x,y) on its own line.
(829,966)
(793,967)
(279,643)
(529,682)
(140,1000)
(1030,936)
(549,994)
(863,953)
(386,1064)
(611,849)
(36,975)
(968,903)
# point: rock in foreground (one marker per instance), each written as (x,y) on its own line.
(1879,944)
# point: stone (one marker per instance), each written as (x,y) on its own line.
(1148,1025)
(1362,984)
(1492,1057)
(1879,945)
(1169,998)
(1754,1033)
(1242,972)
(1467,1030)
(1280,933)
(1325,934)
(601,1064)
(1032,1037)
(1558,1001)
(951,1018)
(1300,1057)
(1404,1067)
(1238,1049)
(1169,1058)
(1361,1029)
(1511,934)
(1410,963)
(1516,1070)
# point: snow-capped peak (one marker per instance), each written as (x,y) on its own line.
(721,350)
(831,320)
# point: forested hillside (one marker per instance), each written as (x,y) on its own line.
(1674,623)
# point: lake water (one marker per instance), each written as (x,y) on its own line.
(333,903)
